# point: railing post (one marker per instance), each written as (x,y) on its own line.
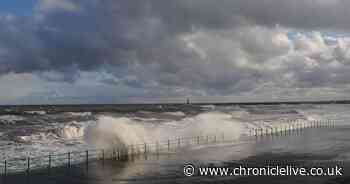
(114,156)
(5,170)
(87,160)
(290,129)
(301,125)
(28,166)
(264,132)
(118,154)
(168,145)
(68,160)
(285,130)
(145,150)
(132,150)
(49,167)
(103,157)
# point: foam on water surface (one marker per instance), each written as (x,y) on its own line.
(79,131)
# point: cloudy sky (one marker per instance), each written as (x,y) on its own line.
(132,51)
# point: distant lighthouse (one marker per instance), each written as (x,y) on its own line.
(188,101)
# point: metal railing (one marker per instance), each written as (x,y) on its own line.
(28,164)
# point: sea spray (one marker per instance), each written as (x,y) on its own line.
(121,131)
(116,132)
(71,131)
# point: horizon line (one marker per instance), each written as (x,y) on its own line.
(197,103)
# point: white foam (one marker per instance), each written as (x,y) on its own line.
(111,131)
(79,113)
(71,132)
(36,112)
(178,113)
(209,107)
(66,132)
(41,137)
(11,118)
(240,113)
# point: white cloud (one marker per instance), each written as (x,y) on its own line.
(122,49)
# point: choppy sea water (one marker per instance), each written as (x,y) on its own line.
(43,133)
(325,147)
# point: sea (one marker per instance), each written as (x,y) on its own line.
(38,131)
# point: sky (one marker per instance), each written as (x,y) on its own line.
(149,51)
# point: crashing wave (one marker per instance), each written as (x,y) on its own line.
(10,119)
(178,113)
(69,131)
(38,137)
(111,131)
(309,115)
(79,113)
(208,107)
(36,112)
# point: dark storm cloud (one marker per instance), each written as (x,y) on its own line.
(110,32)
(148,43)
